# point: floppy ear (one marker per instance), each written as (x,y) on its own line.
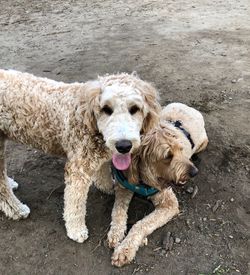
(153,108)
(146,165)
(149,144)
(133,174)
(91,105)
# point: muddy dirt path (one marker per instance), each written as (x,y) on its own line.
(197,52)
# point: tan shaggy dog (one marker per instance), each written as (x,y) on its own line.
(163,157)
(81,121)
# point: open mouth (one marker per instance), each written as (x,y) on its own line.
(121,161)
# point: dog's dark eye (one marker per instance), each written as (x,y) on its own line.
(107,110)
(134,109)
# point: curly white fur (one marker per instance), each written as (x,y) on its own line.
(67,119)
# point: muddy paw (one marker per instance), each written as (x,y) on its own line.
(78,235)
(22,213)
(122,255)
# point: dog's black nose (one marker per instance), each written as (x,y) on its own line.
(193,171)
(123,146)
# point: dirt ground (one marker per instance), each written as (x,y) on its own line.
(196,52)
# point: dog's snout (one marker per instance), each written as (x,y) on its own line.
(123,146)
(193,171)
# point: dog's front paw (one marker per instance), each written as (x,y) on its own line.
(78,235)
(115,237)
(123,255)
(22,212)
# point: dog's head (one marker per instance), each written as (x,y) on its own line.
(121,108)
(162,158)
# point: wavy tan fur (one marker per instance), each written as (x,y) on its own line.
(67,120)
(163,157)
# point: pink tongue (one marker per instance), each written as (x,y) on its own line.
(121,161)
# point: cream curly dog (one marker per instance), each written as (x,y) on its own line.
(81,121)
(163,157)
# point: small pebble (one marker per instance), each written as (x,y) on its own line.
(190,189)
(177,240)
(234,81)
(145,242)
(204,219)
(168,242)
(230,236)
(188,222)
(196,189)
(216,206)
(232,199)
(166,238)
(163,252)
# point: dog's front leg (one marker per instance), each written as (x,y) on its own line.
(77,180)
(166,208)
(119,216)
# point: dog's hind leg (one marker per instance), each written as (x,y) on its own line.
(9,203)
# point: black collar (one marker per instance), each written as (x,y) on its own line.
(178,125)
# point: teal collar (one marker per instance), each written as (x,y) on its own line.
(141,189)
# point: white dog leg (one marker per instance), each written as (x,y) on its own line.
(75,198)
(9,203)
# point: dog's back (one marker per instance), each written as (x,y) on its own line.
(191,119)
(29,110)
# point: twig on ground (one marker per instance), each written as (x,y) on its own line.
(100,240)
